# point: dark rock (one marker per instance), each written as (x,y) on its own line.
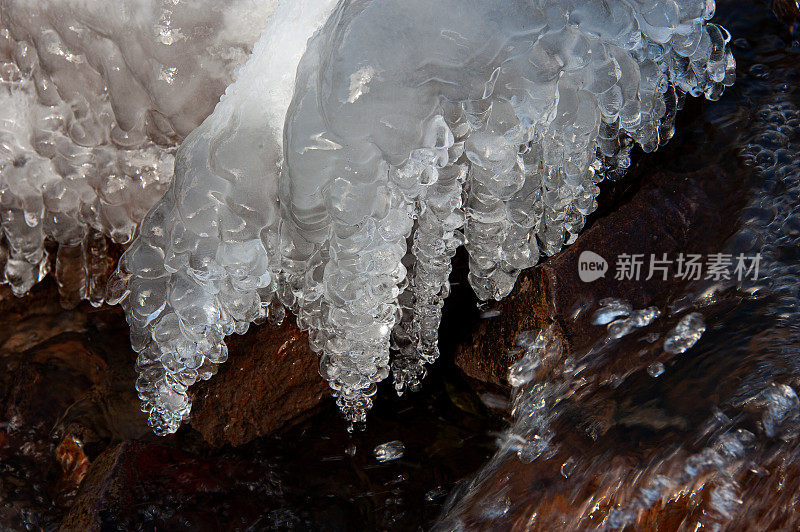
(485,355)
(270,379)
(67,399)
(135,483)
(48,360)
(788,11)
(670,213)
(313,476)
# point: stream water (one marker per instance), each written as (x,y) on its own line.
(698,428)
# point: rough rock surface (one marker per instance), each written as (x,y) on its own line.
(650,451)
(272,376)
(270,379)
(669,213)
(788,11)
(132,471)
(76,452)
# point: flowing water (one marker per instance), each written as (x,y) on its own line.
(698,428)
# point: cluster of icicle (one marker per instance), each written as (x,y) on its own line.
(364,142)
(94,99)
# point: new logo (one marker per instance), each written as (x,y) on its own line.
(591,266)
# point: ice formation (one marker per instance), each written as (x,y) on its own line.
(94,99)
(410,128)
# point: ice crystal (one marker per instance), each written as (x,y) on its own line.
(339,174)
(93,103)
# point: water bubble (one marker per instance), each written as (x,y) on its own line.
(655,369)
(436,493)
(389,451)
(568,467)
(760,71)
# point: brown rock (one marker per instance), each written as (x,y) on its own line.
(652,454)
(788,11)
(186,492)
(270,379)
(67,393)
(46,365)
(49,359)
(547,496)
(669,213)
(36,318)
(485,355)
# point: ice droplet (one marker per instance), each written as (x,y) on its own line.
(611,309)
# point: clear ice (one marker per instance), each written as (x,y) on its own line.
(94,99)
(338,174)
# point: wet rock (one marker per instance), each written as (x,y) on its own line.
(270,379)
(67,369)
(48,360)
(692,444)
(694,448)
(670,213)
(486,356)
(35,319)
(134,484)
(788,11)
(614,492)
(74,463)
(67,399)
(48,356)
(312,476)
